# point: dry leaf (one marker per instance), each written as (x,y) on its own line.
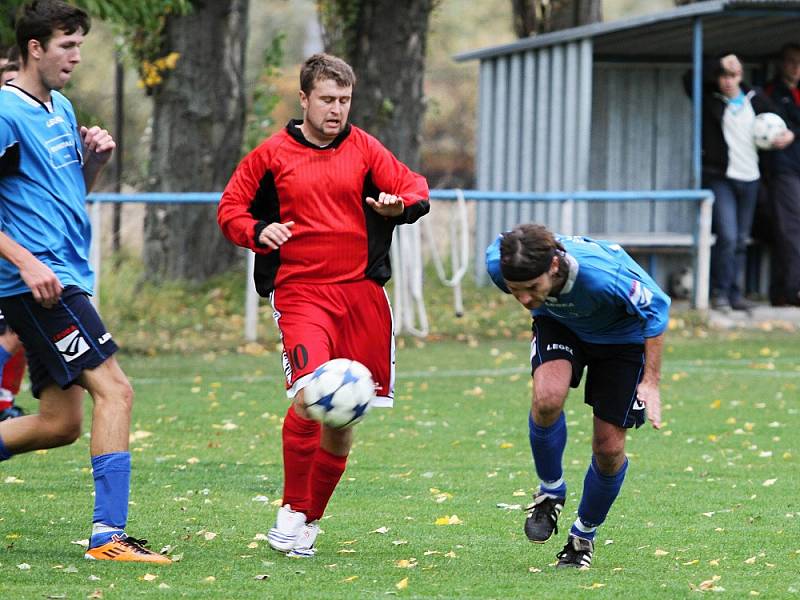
(402,584)
(24,567)
(349,579)
(149,577)
(261,577)
(380,530)
(769,482)
(660,552)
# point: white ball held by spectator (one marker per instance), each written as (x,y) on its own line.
(766,129)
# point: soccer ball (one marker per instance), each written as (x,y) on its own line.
(681,283)
(766,128)
(339,393)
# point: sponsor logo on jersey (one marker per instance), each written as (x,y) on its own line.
(55,121)
(551,347)
(70,343)
(104,338)
(62,151)
(640,296)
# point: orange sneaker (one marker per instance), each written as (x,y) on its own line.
(126,549)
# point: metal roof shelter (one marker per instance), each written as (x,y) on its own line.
(602,107)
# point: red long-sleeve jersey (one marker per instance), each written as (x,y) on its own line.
(337,237)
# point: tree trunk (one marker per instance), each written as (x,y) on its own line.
(385,42)
(542,16)
(198,122)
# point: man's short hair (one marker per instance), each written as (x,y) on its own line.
(39,19)
(790,47)
(320,67)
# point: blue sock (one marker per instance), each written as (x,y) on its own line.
(5,453)
(547,447)
(599,493)
(112,478)
(4,356)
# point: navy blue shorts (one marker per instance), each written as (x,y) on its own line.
(60,342)
(613,371)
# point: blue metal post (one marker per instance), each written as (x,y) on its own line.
(697,102)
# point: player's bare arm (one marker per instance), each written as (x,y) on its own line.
(98,145)
(275,235)
(648,391)
(387,205)
(43,283)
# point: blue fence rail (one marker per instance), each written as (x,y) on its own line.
(698,242)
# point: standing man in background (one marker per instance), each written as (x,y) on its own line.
(784,183)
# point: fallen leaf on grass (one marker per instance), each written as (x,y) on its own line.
(750,561)
(261,577)
(95,595)
(406,563)
(24,567)
(149,577)
(402,584)
(13,479)
(534,570)
(769,482)
(383,529)
(210,579)
(594,586)
(448,520)
(660,552)
(135,436)
(399,542)
(349,579)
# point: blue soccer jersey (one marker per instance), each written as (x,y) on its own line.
(42,191)
(607,298)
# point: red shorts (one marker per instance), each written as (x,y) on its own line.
(318,323)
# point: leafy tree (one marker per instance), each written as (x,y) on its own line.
(385,41)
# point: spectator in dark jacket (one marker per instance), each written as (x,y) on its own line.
(784,184)
(731,171)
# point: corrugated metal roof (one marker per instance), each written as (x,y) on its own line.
(753,29)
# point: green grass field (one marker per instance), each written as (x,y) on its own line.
(710,502)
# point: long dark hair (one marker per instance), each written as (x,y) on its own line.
(527,251)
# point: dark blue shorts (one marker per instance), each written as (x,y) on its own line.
(60,342)
(613,371)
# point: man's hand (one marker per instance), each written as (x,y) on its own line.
(97,144)
(387,205)
(275,234)
(44,284)
(650,396)
(785,138)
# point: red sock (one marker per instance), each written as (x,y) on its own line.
(14,371)
(326,472)
(300,442)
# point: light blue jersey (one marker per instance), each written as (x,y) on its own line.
(42,191)
(607,299)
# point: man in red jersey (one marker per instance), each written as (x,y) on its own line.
(318,202)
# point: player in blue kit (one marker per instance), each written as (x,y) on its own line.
(47,165)
(593,307)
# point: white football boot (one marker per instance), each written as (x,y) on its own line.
(305,547)
(288,525)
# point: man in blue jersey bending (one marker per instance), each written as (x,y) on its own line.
(593,307)
(47,165)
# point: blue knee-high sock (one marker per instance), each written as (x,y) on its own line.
(547,447)
(599,493)
(5,453)
(4,356)
(112,478)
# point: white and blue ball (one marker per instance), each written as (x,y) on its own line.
(766,129)
(339,393)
